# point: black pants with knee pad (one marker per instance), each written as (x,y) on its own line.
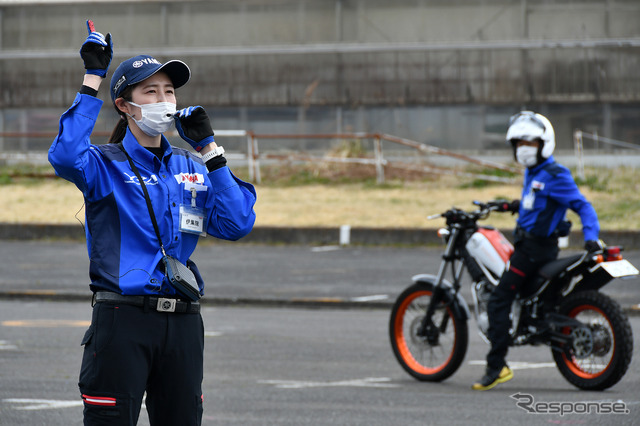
(129,350)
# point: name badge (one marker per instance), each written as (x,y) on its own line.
(528,200)
(192,220)
(192,217)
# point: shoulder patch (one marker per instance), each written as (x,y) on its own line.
(187,154)
(554,169)
(111,152)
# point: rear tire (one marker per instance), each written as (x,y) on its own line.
(599,357)
(423,360)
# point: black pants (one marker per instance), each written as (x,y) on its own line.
(528,257)
(129,350)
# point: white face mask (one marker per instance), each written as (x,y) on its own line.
(527,155)
(156,118)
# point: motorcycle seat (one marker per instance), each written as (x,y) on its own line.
(555,267)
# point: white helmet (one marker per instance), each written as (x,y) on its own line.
(530,126)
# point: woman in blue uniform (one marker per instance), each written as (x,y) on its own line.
(147,203)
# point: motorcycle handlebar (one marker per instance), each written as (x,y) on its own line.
(455,215)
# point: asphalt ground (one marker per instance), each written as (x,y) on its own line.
(295,366)
(237,273)
(295,335)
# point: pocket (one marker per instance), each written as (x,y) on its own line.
(201,196)
(107,408)
(88,335)
(104,326)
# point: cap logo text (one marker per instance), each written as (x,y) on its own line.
(146,61)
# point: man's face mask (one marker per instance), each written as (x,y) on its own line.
(156,118)
(527,155)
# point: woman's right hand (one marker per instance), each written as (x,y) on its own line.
(96,51)
(193,125)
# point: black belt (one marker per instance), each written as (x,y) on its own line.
(160,304)
(550,240)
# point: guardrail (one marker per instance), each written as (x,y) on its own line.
(253,156)
(378,160)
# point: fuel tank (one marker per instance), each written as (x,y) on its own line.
(490,248)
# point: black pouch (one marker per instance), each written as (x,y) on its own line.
(564,228)
(181,278)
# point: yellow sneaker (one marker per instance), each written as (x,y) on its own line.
(490,381)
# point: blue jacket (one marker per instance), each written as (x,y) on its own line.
(123,248)
(548,191)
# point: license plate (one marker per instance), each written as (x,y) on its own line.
(619,268)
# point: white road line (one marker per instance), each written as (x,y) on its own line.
(28,404)
(369,382)
(518,365)
(6,346)
(321,249)
(370,298)
(41,404)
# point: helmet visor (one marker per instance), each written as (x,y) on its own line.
(527,116)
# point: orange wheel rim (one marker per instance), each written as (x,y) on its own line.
(570,362)
(401,344)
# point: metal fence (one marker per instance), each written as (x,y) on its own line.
(579,136)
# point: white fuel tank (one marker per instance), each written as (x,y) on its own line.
(490,248)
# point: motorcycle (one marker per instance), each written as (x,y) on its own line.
(589,334)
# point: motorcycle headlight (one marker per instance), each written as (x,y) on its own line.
(444,234)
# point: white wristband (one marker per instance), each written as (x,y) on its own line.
(215,152)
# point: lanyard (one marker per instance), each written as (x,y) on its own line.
(146,197)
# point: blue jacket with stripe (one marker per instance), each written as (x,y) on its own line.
(123,248)
(548,191)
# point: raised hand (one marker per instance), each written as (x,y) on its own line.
(96,51)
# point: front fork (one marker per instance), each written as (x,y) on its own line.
(428,329)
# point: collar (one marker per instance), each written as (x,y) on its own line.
(140,153)
(537,168)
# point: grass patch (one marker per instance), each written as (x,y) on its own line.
(593,182)
(337,194)
(24,173)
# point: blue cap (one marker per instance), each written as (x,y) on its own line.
(139,68)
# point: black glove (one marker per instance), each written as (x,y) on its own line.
(514,206)
(593,246)
(96,51)
(564,228)
(505,206)
(193,125)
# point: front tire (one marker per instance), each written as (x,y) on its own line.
(424,360)
(601,353)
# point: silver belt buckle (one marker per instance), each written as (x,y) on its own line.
(166,305)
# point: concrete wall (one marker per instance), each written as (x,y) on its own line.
(431,72)
(438,71)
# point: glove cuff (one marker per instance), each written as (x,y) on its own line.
(204,142)
(101,73)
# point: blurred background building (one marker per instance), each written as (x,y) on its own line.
(447,73)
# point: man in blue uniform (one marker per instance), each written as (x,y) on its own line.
(548,191)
